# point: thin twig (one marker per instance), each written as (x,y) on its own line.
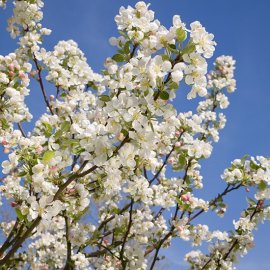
(42,85)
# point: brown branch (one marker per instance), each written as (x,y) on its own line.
(42,85)
(19,241)
(162,241)
(6,244)
(21,129)
(68,265)
(165,160)
(126,235)
(214,201)
(178,59)
(235,242)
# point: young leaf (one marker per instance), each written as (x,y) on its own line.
(47,156)
(181,34)
(104,98)
(164,95)
(118,58)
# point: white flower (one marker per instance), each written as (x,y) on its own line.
(127,155)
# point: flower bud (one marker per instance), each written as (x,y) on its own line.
(13,204)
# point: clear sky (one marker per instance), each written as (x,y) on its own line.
(241,29)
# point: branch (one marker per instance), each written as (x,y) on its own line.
(42,85)
(178,59)
(68,265)
(171,229)
(19,241)
(166,159)
(126,234)
(235,242)
(214,201)
(21,129)
(6,244)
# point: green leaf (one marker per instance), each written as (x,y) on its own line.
(178,201)
(164,95)
(172,48)
(125,132)
(254,166)
(65,126)
(173,85)
(262,185)
(104,98)
(19,214)
(190,48)
(58,134)
(105,72)
(4,123)
(47,129)
(126,48)
(165,57)
(123,33)
(181,34)
(118,58)
(47,156)
(182,160)
(23,173)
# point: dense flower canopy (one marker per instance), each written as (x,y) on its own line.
(109,173)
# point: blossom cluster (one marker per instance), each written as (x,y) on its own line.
(108,175)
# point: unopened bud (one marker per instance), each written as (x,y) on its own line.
(11,67)
(6,150)
(22,75)
(4,142)
(185,197)
(13,204)
(177,144)
(11,74)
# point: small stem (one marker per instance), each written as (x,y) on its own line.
(21,129)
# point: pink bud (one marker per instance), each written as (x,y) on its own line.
(51,97)
(171,160)
(121,136)
(4,142)
(4,180)
(71,190)
(11,67)
(13,204)
(105,242)
(177,133)
(33,73)
(53,168)
(11,74)
(180,229)
(22,75)
(6,150)
(177,144)
(185,197)
(260,204)
(39,149)
(247,190)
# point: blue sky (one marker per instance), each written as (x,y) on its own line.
(241,29)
